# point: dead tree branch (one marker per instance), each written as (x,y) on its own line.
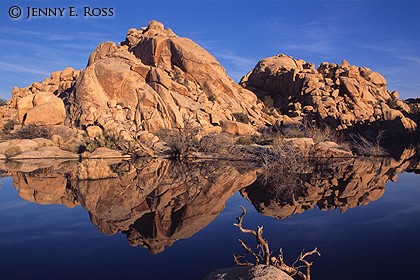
(263,256)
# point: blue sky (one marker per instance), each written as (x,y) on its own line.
(382,35)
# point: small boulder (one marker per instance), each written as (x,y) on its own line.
(48,110)
(93,131)
(236,128)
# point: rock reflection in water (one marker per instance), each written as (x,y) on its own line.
(342,184)
(156,202)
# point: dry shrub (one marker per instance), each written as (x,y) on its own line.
(321,134)
(184,141)
(241,117)
(219,145)
(187,142)
(245,140)
(13,151)
(109,140)
(283,168)
(9,126)
(293,131)
(264,255)
(32,131)
(368,148)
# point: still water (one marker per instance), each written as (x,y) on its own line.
(157,220)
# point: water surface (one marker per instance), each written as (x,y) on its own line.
(178,220)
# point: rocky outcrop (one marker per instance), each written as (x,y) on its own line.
(42,103)
(156,80)
(15,147)
(332,185)
(340,95)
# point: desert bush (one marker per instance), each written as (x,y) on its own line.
(268,101)
(13,151)
(392,103)
(109,140)
(293,131)
(364,147)
(319,133)
(212,98)
(32,131)
(264,138)
(182,142)
(9,126)
(187,142)
(283,168)
(219,145)
(324,133)
(3,101)
(245,140)
(241,117)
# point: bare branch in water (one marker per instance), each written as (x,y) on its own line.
(264,255)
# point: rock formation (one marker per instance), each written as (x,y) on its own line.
(343,95)
(43,103)
(153,80)
(156,80)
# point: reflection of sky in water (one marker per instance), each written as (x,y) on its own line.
(370,242)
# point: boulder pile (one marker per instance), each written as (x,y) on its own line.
(341,95)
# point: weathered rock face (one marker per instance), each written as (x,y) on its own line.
(345,184)
(157,80)
(341,95)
